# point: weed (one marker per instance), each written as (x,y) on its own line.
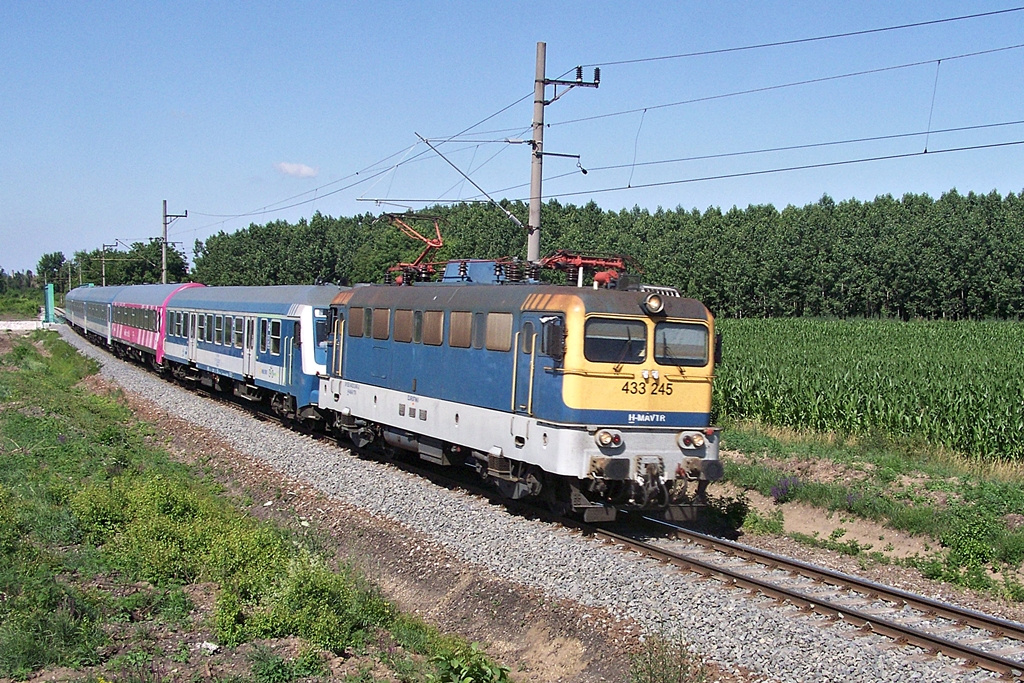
(460,663)
(785,490)
(758,524)
(666,660)
(268,667)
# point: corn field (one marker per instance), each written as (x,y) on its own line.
(955,384)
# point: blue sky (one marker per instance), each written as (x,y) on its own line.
(226,109)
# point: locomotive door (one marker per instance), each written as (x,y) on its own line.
(526,362)
(249,349)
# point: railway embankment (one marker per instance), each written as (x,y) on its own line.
(526,566)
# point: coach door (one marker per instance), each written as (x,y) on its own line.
(192,336)
(249,351)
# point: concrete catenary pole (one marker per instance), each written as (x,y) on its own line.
(537,167)
(163,249)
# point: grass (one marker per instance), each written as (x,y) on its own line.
(961,507)
(18,305)
(100,533)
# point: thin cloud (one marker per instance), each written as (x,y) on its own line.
(296,170)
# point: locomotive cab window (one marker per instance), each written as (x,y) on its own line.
(606,340)
(680,344)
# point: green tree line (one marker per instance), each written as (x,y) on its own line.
(138,264)
(956,257)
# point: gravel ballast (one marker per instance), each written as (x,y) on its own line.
(727,626)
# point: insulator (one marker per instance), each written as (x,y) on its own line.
(497,270)
(579,74)
(463,269)
(597,75)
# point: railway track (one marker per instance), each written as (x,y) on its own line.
(976,638)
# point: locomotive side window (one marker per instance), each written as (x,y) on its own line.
(403,325)
(527,337)
(275,337)
(367,322)
(433,327)
(381,323)
(479,330)
(680,344)
(553,337)
(417,327)
(460,329)
(355,322)
(615,341)
(499,331)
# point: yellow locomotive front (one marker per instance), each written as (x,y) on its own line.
(636,377)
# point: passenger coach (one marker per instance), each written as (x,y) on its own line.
(260,343)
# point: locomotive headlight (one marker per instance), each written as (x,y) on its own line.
(654,304)
(608,438)
(690,440)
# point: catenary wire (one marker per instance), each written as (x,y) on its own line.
(780,86)
(797,41)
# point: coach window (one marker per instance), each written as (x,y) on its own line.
(403,325)
(355,322)
(460,329)
(433,327)
(239,332)
(263,335)
(275,337)
(209,327)
(499,331)
(201,334)
(417,327)
(381,323)
(229,330)
(218,330)
(479,330)
(184,324)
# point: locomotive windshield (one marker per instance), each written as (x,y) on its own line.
(606,340)
(680,344)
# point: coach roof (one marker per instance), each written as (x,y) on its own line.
(272,299)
